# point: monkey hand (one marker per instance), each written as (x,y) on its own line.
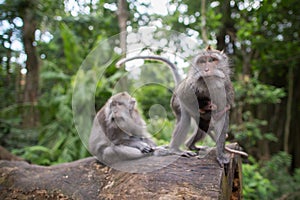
(145,148)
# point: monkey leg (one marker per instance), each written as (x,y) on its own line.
(116,153)
(180,132)
(179,135)
(197,136)
(221,155)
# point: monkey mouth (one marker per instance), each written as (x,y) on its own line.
(212,75)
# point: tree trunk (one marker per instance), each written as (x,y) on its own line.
(122,20)
(184,178)
(287,125)
(203,23)
(8,55)
(295,126)
(30,115)
(227,27)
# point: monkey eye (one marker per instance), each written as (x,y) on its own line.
(117,103)
(201,60)
(120,103)
(212,59)
(113,103)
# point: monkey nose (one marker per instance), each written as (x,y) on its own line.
(206,69)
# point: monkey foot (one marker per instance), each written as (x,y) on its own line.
(161,151)
(189,154)
(195,148)
(183,153)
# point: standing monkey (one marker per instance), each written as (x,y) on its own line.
(206,95)
(118,132)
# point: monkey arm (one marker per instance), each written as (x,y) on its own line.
(116,153)
(131,127)
(101,146)
(108,152)
(143,144)
(98,141)
(230,93)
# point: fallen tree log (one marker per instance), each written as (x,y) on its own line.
(185,178)
(6,155)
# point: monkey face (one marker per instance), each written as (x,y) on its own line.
(123,104)
(210,63)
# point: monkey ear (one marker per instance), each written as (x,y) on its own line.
(208,48)
(222,52)
(132,102)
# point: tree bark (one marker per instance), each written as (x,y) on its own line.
(185,178)
(295,126)
(203,23)
(122,19)
(6,155)
(287,125)
(30,115)
(123,15)
(227,27)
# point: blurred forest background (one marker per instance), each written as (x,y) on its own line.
(44,42)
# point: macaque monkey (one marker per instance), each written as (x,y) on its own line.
(119,132)
(205,95)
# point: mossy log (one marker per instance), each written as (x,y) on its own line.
(184,178)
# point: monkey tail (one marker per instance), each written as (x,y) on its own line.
(173,68)
(236,152)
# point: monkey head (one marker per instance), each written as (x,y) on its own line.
(210,63)
(121,105)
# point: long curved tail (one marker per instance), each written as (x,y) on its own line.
(173,68)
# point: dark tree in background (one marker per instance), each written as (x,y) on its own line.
(29,16)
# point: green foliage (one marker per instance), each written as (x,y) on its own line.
(36,154)
(271,180)
(72,49)
(255,185)
(277,171)
(150,95)
(161,130)
(58,140)
(11,134)
(253,92)
(249,132)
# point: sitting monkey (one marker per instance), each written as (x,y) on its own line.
(119,132)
